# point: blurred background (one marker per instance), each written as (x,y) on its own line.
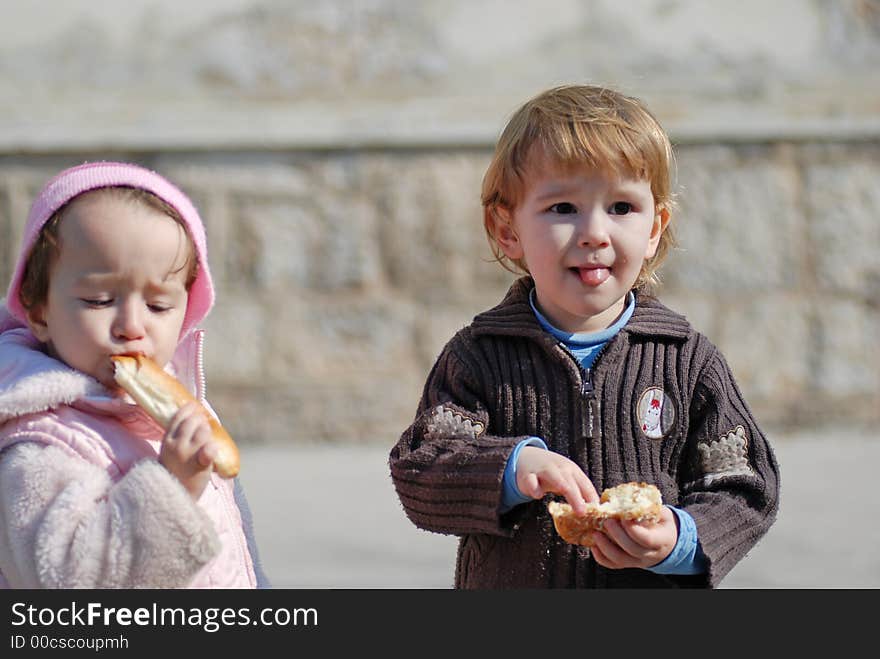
(336,149)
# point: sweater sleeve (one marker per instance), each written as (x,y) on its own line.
(447,467)
(65,524)
(731,478)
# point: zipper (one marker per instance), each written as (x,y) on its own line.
(586,382)
(588,426)
(200,364)
(589,397)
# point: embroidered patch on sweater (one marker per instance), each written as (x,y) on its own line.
(655,412)
(446,422)
(726,456)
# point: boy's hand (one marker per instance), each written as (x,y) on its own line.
(539,471)
(187,450)
(627,543)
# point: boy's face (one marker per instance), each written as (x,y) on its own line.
(118,286)
(584,238)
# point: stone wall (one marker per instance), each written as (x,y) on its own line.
(336,151)
(340,276)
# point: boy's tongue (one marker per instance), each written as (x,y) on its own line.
(593,276)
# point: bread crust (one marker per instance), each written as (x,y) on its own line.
(637,501)
(162,395)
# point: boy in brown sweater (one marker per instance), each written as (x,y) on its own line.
(579,380)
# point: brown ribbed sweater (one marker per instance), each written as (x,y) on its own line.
(504,378)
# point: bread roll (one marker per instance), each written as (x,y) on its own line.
(636,501)
(161,396)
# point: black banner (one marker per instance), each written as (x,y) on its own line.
(403,622)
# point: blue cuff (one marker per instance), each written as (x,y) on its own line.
(510,494)
(687,556)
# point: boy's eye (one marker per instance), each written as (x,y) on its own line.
(620,208)
(563,208)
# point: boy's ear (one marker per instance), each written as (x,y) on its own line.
(502,230)
(661,221)
(37,323)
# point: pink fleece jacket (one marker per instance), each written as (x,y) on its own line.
(84,502)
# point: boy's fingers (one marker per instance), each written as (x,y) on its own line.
(617,531)
(572,494)
(588,490)
(532,487)
(637,531)
(578,491)
(524,484)
(614,556)
(596,551)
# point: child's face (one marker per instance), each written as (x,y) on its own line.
(118,286)
(584,238)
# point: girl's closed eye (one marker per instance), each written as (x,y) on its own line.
(98,302)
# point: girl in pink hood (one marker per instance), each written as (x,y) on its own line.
(93,493)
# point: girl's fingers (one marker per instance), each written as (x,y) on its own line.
(189,434)
(186,430)
(173,430)
(176,429)
(207,454)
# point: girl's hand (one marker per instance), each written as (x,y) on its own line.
(633,544)
(187,449)
(539,471)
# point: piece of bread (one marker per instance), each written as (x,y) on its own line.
(161,395)
(637,501)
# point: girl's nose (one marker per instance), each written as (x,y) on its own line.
(129,322)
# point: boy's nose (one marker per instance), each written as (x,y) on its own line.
(593,228)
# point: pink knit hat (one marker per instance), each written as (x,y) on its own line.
(90,176)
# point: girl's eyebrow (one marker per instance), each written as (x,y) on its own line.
(94,278)
(106,279)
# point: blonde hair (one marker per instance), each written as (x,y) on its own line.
(581,125)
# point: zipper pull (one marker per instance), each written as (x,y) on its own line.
(588,418)
(586,383)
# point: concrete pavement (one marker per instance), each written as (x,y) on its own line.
(327,516)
